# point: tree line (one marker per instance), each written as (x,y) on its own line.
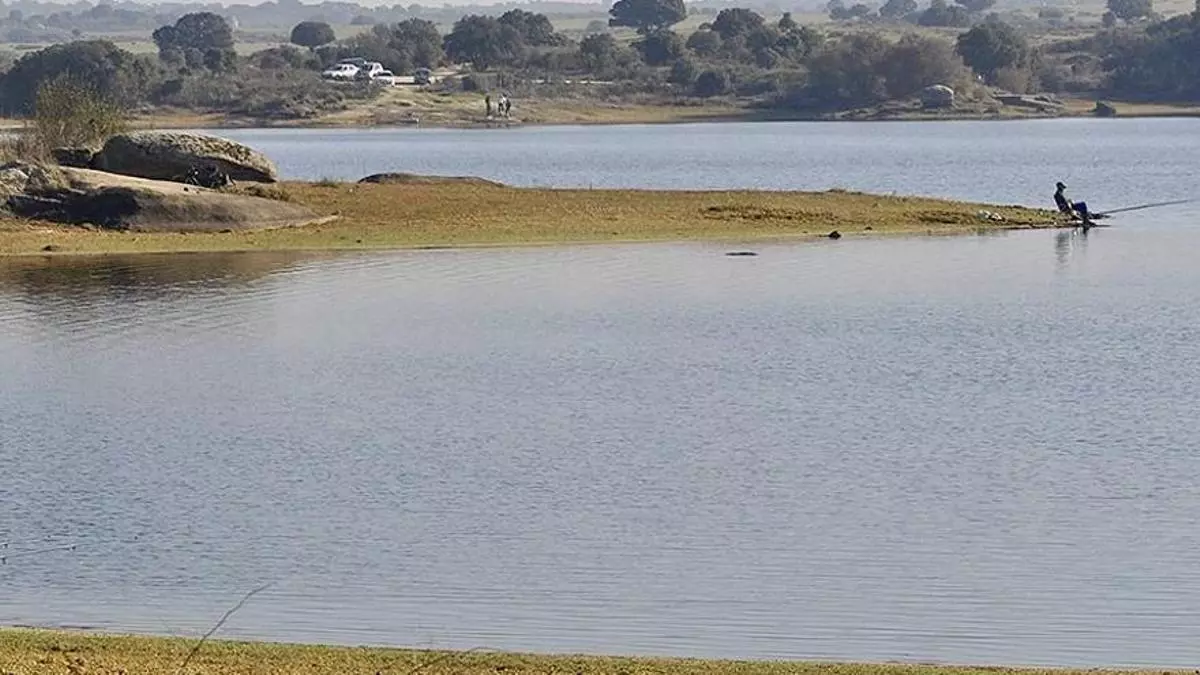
(739,53)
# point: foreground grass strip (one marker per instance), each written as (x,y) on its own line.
(29,652)
(462,214)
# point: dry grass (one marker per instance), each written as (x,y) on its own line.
(27,652)
(456,214)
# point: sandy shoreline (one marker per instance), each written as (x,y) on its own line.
(25,651)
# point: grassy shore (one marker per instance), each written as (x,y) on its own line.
(411,106)
(29,652)
(436,213)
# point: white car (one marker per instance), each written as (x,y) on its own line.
(370,70)
(342,71)
(386,78)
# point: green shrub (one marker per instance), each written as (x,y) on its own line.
(70,114)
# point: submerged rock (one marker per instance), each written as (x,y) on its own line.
(173,155)
(418,179)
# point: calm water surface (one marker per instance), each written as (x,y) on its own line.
(987,161)
(952,449)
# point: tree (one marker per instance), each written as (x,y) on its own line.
(837,10)
(196,39)
(704,43)
(312,34)
(992,45)
(976,6)
(736,21)
(683,72)
(71,114)
(1160,62)
(848,72)
(535,29)
(483,41)
(110,71)
(602,54)
(940,13)
(1131,10)
(711,83)
(419,40)
(647,16)
(897,9)
(659,48)
(917,61)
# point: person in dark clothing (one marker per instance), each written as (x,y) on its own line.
(1073,209)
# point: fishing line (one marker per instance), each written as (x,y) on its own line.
(1146,206)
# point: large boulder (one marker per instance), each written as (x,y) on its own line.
(172,155)
(937,96)
(119,202)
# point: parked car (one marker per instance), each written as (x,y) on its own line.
(386,78)
(342,71)
(422,76)
(369,70)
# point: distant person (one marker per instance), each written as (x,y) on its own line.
(507,105)
(1073,209)
(487,102)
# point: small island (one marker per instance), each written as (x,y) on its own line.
(173,191)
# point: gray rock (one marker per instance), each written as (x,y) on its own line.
(80,158)
(172,155)
(20,177)
(118,202)
(13,180)
(1103,109)
(419,179)
(937,96)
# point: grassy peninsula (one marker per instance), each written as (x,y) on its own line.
(26,652)
(446,212)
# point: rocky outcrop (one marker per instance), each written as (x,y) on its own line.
(937,96)
(110,201)
(172,155)
(20,177)
(1103,109)
(418,179)
(80,158)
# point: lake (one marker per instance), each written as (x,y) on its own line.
(961,449)
(1144,160)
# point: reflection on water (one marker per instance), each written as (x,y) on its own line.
(956,449)
(1070,243)
(108,290)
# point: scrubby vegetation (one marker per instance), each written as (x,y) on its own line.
(866,56)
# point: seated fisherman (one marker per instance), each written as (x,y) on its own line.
(1073,209)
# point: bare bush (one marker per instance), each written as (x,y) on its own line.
(70,114)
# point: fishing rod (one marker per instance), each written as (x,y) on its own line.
(1145,206)
(4,558)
